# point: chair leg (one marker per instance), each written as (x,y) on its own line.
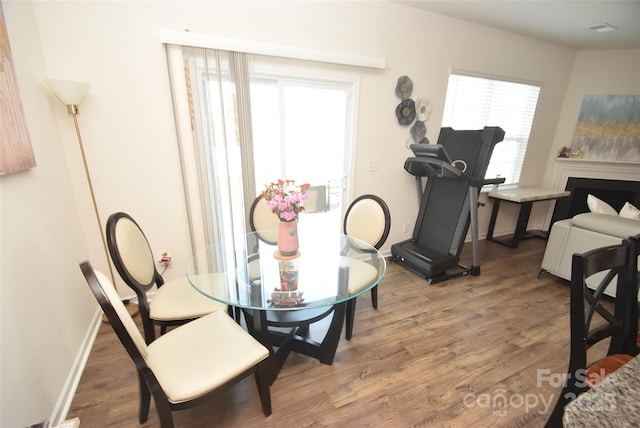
(569,393)
(555,419)
(163,407)
(145,400)
(374,297)
(262,381)
(351,313)
(249,323)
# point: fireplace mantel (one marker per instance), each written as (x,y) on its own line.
(584,168)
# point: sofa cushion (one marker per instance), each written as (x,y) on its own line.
(610,225)
(629,211)
(597,206)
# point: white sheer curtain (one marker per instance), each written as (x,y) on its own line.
(212,109)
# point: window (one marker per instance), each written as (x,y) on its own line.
(301,130)
(475,102)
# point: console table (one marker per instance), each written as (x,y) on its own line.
(524,197)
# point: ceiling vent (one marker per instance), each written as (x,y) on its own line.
(603,28)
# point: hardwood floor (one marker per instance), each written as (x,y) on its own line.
(471,351)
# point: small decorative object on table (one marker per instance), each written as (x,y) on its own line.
(286,200)
(287,295)
(564,152)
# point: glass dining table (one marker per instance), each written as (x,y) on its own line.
(281,296)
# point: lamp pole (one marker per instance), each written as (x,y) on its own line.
(73,110)
(71,94)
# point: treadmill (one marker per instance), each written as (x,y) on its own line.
(455,168)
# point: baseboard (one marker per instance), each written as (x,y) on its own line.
(61,410)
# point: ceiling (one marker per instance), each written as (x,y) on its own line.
(559,22)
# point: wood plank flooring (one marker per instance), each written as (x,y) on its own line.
(471,351)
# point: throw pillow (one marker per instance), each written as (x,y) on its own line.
(629,211)
(598,206)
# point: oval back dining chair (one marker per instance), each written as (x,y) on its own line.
(368,219)
(263,221)
(190,363)
(175,302)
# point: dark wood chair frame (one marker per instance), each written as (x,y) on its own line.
(351,304)
(621,326)
(140,289)
(147,381)
(252,225)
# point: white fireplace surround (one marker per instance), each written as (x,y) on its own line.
(581,168)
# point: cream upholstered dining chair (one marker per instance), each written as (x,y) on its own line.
(368,219)
(188,364)
(263,221)
(175,302)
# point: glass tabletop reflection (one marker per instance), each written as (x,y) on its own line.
(251,273)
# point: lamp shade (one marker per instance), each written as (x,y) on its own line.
(68,91)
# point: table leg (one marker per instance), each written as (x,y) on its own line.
(296,340)
(261,333)
(326,350)
(523,221)
(492,221)
(331,340)
(521,224)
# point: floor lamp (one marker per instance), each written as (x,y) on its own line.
(71,94)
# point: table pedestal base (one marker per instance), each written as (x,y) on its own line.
(296,338)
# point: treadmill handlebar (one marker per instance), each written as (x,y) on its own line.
(430,167)
(425,167)
(479,182)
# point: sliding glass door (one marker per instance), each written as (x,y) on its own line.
(245,122)
(302,130)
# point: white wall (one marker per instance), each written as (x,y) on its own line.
(615,72)
(127,119)
(127,127)
(45,307)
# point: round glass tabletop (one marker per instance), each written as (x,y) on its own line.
(251,274)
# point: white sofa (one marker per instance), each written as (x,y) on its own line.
(582,233)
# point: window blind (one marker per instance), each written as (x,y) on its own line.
(475,102)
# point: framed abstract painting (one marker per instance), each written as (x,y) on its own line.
(16,153)
(608,128)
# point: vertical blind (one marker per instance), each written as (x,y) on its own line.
(212,107)
(475,102)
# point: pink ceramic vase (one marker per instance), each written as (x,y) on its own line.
(288,238)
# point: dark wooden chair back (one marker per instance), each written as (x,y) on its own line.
(263,221)
(595,317)
(133,258)
(368,218)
